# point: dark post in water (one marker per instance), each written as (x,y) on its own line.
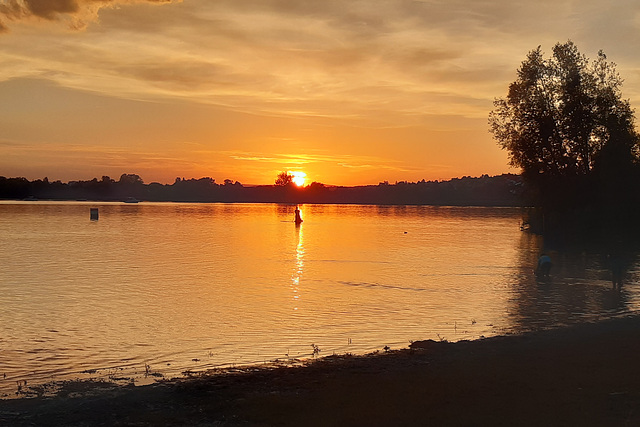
(94,214)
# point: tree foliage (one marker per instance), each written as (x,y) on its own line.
(565,116)
(565,124)
(129,178)
(284,178)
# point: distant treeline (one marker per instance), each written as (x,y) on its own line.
(502,190)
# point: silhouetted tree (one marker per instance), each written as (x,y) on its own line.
(565,124)
(561,112)
(130,178)
(284,179)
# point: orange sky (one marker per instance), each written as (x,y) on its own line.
(351,92)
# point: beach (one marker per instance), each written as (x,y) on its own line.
(585,375)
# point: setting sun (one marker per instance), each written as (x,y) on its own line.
(299,178)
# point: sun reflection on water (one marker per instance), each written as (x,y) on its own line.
(299,267)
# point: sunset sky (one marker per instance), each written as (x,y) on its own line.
(349,91)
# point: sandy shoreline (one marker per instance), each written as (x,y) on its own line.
(582,375)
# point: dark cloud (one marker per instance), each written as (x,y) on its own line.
(16,10)
(49,9)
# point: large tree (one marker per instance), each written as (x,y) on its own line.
(565,117)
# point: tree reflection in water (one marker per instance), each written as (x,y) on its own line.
(579,289)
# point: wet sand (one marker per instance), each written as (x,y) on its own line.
(587,375)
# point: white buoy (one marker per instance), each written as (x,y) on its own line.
(94,214)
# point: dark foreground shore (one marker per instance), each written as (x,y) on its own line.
(588,375)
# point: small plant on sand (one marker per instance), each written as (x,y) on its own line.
(442,339)
(386,348)
(316,350)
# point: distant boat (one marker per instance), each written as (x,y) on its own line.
(132,200)
(30,199)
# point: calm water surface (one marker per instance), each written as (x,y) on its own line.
(182,287)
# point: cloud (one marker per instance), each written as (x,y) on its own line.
(76,12)
(386,60)
(343,160)
(47,9)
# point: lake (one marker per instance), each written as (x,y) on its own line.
(164,288)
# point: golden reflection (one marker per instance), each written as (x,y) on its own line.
(297,272)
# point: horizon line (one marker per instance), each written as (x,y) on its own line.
(262,185)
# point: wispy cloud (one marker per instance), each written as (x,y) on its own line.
(344,160)
(403,57)
(77,13)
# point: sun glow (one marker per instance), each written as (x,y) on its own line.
(299,177)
